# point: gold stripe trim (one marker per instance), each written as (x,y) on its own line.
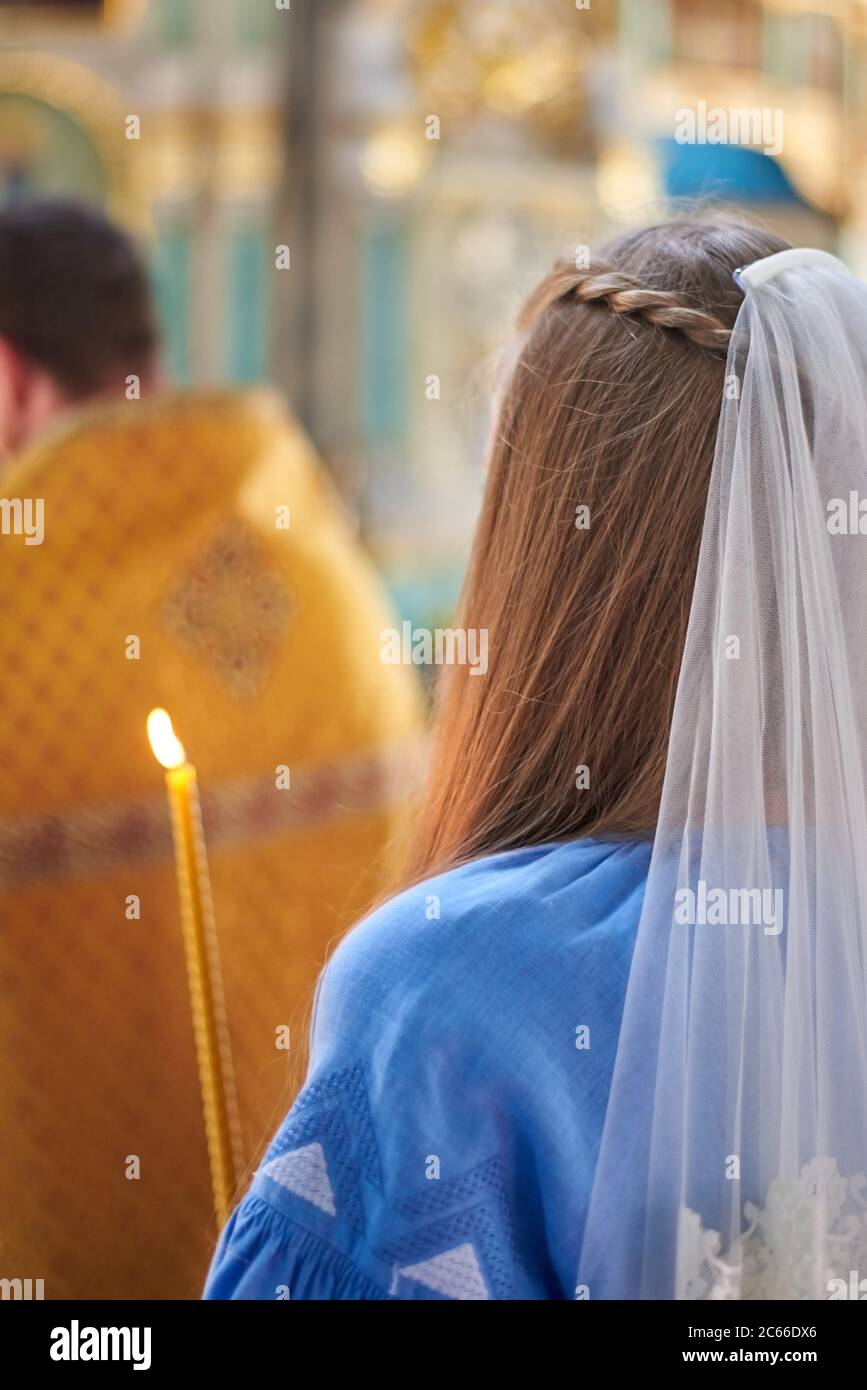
(50,846)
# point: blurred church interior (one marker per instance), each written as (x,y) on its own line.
(419,161)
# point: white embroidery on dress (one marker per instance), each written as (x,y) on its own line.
(455,1273)
(304,1172)
(812,1229)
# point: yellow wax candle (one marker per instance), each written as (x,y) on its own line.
(213,1051)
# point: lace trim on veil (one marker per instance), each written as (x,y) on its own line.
(777,1256)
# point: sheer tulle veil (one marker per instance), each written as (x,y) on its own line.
(734,1152)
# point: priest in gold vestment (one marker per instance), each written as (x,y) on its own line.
(188,553)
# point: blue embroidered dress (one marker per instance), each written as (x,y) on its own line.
(463,1042)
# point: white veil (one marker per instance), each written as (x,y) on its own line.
(735,1144)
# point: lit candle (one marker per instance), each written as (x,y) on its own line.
(213,1051)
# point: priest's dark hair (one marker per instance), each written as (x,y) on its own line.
(75,297)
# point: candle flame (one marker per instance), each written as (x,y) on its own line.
(167,747)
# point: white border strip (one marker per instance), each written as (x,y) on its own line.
(760,272)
